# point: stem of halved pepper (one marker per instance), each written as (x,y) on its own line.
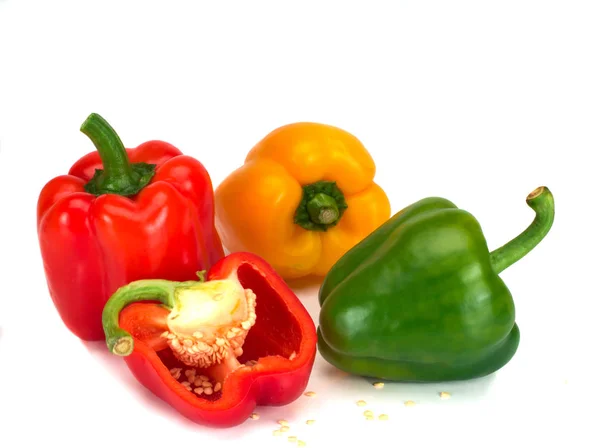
(207,324)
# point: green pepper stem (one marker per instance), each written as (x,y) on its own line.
(119,175)
(542,202)
(119,341)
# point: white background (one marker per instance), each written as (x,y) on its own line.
(479,102)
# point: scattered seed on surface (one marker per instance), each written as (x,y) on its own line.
(283,422)
(310,394)
(444,395)
(254,416)
(310,422)
(383,417)
(301,443)
(284,428)
(361,403)
(292,439)
(369,417)
(378,385)
(368,413)
(409,403)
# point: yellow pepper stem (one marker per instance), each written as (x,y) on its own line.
(321,207)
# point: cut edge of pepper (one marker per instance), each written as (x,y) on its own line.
(266,365)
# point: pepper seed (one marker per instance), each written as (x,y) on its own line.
(378,385)
(444,395)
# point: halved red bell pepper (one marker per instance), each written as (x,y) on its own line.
(121,215)
(217,347)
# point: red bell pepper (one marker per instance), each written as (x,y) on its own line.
(121,215)
(217,347)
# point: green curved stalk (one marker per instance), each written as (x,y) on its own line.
(541,201)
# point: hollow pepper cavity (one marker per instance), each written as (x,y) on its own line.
(303,197)
(121,215)
(216,347)
(420,299)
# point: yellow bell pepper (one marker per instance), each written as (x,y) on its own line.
(304,196)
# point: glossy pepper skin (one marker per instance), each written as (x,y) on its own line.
(282,342)
(421,300)
(148,212)
(303,197)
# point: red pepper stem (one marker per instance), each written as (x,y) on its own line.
(119,175)
(119,341)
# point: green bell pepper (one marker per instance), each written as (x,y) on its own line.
(420,298)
